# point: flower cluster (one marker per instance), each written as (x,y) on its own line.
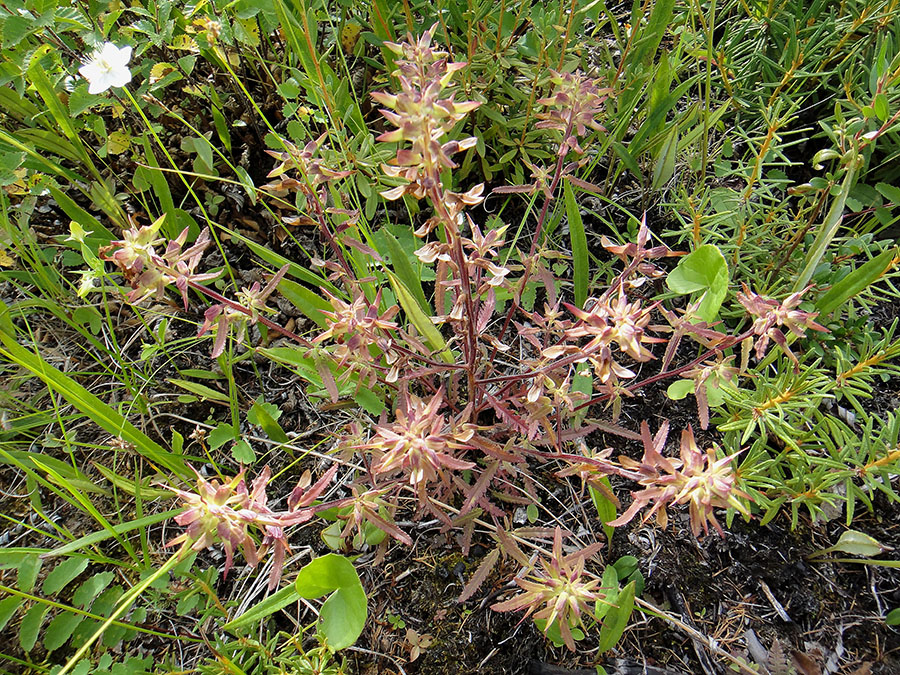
(420,443)
(250,305)
(770,315)
(148,272)
(575,105)
(424,113)
(698,479)
(313,172)
(226,511)
(558,593)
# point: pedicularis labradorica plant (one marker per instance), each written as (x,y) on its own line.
(480,387)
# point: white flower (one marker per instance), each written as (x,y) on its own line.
(107,68)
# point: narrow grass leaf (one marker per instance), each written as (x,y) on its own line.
(580,262)
(104,416)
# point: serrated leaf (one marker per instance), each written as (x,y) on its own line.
(243,453)
(62,574)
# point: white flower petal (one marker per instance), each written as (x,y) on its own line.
(108,67)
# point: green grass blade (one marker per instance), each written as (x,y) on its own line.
(90,405)
(580,262)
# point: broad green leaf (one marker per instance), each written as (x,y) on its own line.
(404,269)
(343,616)
(893,617)
(609,584)
(221,435)
(664,168)
(857,543)
(306,301)
(62,574)
(90,589)
(704,270)
(679,389)
(580,262)
(263,419)
(606,509)
(324,575)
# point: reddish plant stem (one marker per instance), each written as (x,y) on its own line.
(459,259)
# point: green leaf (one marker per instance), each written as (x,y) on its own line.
(616,619)
(855,282)
(882,108)
(580,262)
(627,159)
(259,415)
(419,319)
(62,574)
(31,626)
(325,574)
(60,630)
(343,614)
(264,608)
(704,270)
(8,607)
(664,168)
(404,269)
(28,572)
(856,543)
(893,617)
(90,589)
(606,509)
(679,389)
(221,435)
(107,418)
(609,584)
(200,390)
(243,453)
(102,535)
